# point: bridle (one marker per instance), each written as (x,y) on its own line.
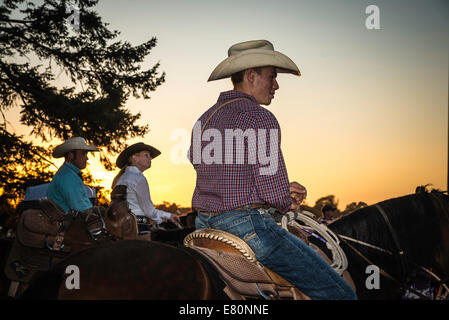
(399,253)
(401,257)
(339,258)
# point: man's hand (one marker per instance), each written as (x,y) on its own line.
(298,193)
(175,219)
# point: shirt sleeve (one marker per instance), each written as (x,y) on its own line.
(145,203)
(270,173)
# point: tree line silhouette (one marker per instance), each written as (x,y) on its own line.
(103,73)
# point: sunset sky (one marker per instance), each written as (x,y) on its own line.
(366,121)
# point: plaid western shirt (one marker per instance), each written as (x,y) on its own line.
(238,158)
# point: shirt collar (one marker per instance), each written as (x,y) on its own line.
(72,167)
(132,169)
(232,94)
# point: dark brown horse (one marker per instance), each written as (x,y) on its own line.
(34,250)
(404,237)
(416,225)
(5,248)
(111,226)
(129,269)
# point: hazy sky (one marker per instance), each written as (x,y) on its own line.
(366,121)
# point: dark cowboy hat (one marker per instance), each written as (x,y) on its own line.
(123,157)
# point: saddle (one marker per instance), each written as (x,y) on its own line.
(38,232)
(120,221)
(40,238)
(238,267)
(44,228)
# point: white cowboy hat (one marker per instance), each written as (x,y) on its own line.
(252,54)
(76,143)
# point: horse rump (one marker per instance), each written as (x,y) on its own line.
(128,269)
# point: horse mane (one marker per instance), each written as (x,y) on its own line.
(416,219)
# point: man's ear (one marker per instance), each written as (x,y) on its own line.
(249,75)
(69,156)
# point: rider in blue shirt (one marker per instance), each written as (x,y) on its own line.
(67,188)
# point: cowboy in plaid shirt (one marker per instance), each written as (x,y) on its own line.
(225,184)
(235,150)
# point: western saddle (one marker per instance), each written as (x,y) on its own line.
(41,239)
(238,267)
(121,222)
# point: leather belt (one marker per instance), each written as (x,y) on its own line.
(245,207)
(142,220)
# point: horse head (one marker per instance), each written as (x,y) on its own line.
(411,231)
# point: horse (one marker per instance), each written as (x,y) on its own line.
(44,237)
(172,234)
(33,255)
(414,229)
(5,248)
(405,237)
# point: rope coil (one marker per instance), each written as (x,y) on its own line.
(339,260)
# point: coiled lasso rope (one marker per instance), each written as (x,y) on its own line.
(339,260)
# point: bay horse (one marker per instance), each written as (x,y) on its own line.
(78,238)
(33,250)
(413,228)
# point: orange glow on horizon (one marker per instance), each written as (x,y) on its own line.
(366,121)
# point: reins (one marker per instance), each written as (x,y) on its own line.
(340,263)
(400,254)
(441,282)
(386,274)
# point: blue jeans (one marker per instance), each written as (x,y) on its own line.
(282,252)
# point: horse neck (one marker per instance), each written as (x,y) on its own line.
(415,219)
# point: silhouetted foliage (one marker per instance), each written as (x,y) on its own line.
(172,208)
(103,73)
(321,202)
(21,165)
(354,206)
(103,195)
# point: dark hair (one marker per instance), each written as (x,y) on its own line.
(237,77)
(72,152)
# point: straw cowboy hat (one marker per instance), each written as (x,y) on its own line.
(76,143)
(252,54)
(123,157)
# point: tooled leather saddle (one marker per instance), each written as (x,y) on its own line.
(44,228)
(238,267)
(120,221)
(40,238)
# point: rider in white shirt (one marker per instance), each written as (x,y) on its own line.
(133,161)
